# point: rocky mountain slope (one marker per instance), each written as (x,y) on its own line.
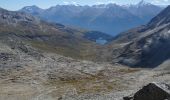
(27,73)
(51,37)
(114,18)
(145,46)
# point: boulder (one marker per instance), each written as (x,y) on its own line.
(153,91)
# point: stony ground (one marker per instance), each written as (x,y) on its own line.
(28,74)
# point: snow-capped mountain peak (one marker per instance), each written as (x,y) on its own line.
(31,9)
(143,3)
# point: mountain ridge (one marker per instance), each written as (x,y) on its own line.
(145,46)
(87,16)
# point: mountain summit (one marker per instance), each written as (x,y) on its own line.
(143,3)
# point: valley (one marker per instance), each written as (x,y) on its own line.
(44,60)
(49,76)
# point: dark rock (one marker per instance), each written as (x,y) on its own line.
(128,98)
(60,98)
(153,91)
(5,56)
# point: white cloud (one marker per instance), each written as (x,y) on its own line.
(74,3)
(98,3)
(66,3)
(160,1)
(166,0)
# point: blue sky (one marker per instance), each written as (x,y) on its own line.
(18,4)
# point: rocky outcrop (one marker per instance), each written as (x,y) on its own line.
(153,91)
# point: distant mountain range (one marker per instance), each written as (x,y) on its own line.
(110,18)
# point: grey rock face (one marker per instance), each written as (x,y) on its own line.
(153,91)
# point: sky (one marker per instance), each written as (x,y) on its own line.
(18,4)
